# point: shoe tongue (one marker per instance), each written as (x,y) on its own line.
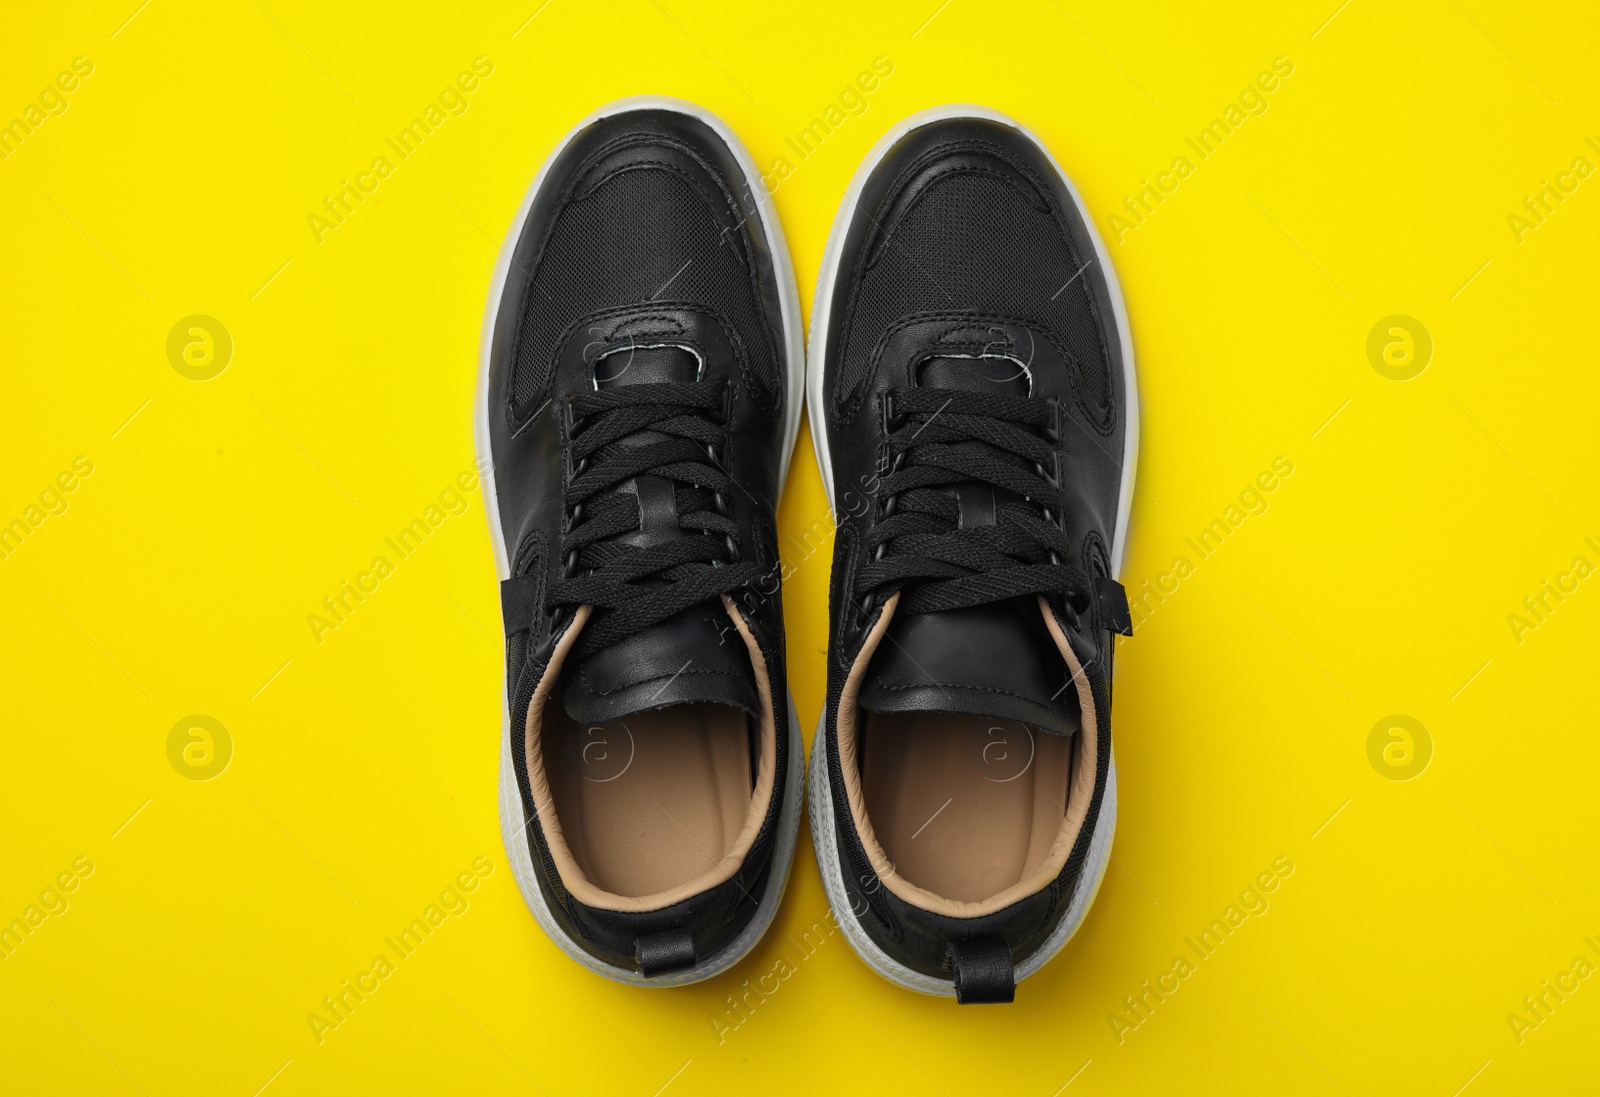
(996,661)
(646,366)
(695,657)
(1003,376)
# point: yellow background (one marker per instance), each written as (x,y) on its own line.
(1378,580)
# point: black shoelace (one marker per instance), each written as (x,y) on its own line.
(630,587)
(939,439)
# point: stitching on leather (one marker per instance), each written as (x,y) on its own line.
(647,165)
(744,253)
(845,542)
(952,172)
(625,141)
(958,685)
(1073,869)
(970,144)
(590,685)
(1097,561)
(1094,552)
(1102,422)
(1058,212)
(672,322)
(1103,426)
(529,552)
(875,358)
(890,194)
(630,312)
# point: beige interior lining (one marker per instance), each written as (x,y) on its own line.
(645,812)
(963,806)
(1016,861)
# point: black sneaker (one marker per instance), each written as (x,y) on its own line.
(972,399)
(641,376)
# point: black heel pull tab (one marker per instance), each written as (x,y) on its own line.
(665,952)
(983,971)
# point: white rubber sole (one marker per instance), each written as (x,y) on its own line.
(512,826)
(822,832)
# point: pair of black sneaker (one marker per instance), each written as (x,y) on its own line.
(972,401)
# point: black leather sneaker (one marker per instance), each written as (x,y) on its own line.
(972,399)
(640,395)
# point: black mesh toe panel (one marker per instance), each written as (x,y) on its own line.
(974,243)
(642,235)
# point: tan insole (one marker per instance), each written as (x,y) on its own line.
(652,801)
(964,806)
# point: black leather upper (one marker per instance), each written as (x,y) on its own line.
(967,244)
(642,235)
